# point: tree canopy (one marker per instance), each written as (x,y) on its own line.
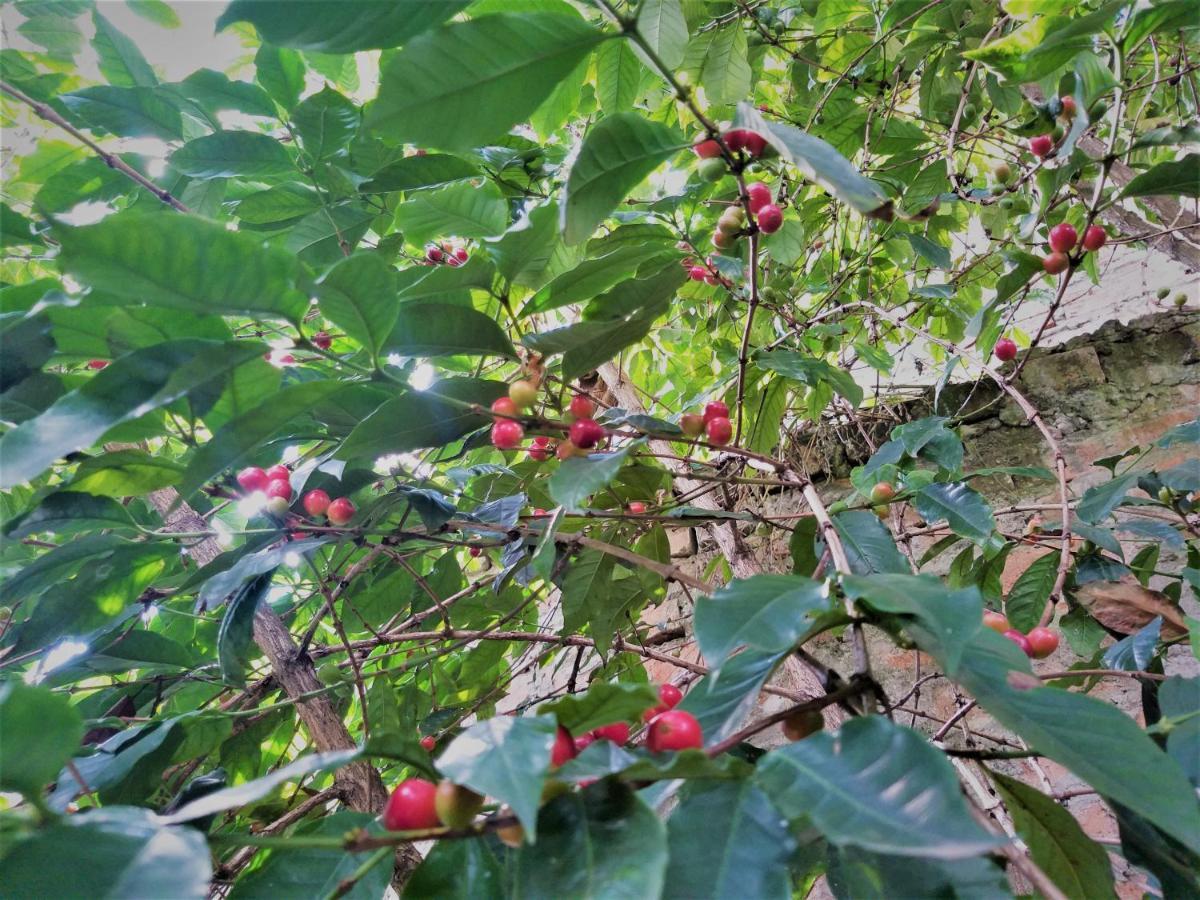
(358,397)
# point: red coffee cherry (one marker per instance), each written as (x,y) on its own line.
(340,511)
(707,149)
(411,806)
(507,434)
(769,219)
(1094,238)
(674,730)
(697,273)
(669,695)
(996,621)
(1005,350)
(1056,263)
(1020,640)
(253,479)
(563,749)
(586,433)
(434,254)
(1041,146)
(322,341)
(715,409)
(637,507)
(720,431)
(429,742)
(1063,237)
(279,471)
(617,732)
(279,487)
(97,364)
(1043,641)
(316,502)
(759,195)
(581,407)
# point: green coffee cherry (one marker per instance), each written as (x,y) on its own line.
(712,170)
(1181,299)
(1164,293)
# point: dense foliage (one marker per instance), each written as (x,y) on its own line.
(269,554)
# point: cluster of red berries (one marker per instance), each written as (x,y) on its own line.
(707,273)
(714,423)
(583,434)
(737,140)
(446,253)
(1064,238)
(1039,643)
(276,483)
(1043,145)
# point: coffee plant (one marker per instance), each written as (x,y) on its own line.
(360,401)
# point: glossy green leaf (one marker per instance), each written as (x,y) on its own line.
(722,705)
(135,384)
(359,296)
(126,111)
(617,153)
(439,329)
(116,852)
(1098,502)
(868,543)
(961,507)
(462,208)
(233,154)
(413,172)
(121,62)
(810,371)
(338,27)
(1075,863)
(41,732)
(728,840)
(505,65)
(465,870)
(1027,598)
(662,24)
(725,72)
(235,636)
(579,477)
(878,786)
(215,91)
(1176,178)
(325,121)
(603,842)
(505,757)
(182,262)
(125,473)
(768,613)
(601,704)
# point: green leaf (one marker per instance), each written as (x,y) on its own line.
(466,870)
(1179,699)
(236,634)
(125,473)
(869,546)
(603,703)
(414,172)
(618,152)
(319,871)
(326,122)
(326,235)
(578,477)
(1098,502)
(115,852)
(41,732)
(504,66)
(728,840)
(531,252)
(250,791)
(662,24)
(183,262)
(1173,178)
(440,329)
(330,26)
(461,208)
(133,385)
(1027,598)
(724,72)
(155,11)
(603,842)
(941,618)
(1168,135)
(127,111)
(768,613)
(241,437)
(505,757)
(359,296)
(878,786)
(246,566)
(121,62)
(819,162)
(594,276)
(810,371)
(281,73)
(722,705)
(233,154)
(1075,863)
(854,874)
(278,205)
(419,419)
(618,77)
(963,508)
(216,92)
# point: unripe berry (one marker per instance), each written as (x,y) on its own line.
(581,407)
(712,170)
(882,492)
(798,726)
(279,487)
(691,425)
(769,218)
(1020,640)
(1043,641)
(1041,146)
(1180,299)
(340,511)
(565,450)
(1094,238)
(720,431)
(456,805)
(563,749)
(669,695)
(511,835)
(759,195)
(1002,172)
(674,730)
(586,433)
(711,279)
(996,621)
(523,393)
(722,241)
(1005,349)
(707,149)
(1163,293)
(1056,263)
(1063,237)
(507,434)
(715,409)
(279,471)
(253,479)
(617,732)
(322,341)
(411,806)
(329,674)
(316,502)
